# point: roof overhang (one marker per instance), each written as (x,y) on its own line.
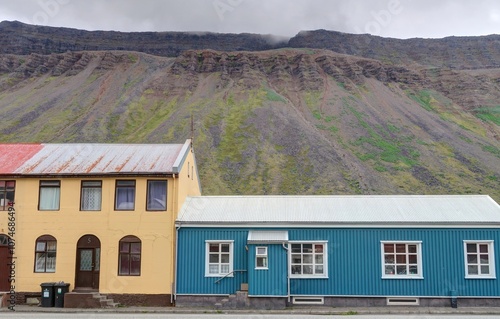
(267,237)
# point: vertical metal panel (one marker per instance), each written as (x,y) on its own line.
(271,281)
(191,261)
(354,263)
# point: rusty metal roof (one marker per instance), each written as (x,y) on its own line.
(87,159)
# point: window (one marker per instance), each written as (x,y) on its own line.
(7,189)
(260,257)
(401,260)
(308,260)
(45,254)
(50,192)
(157,195)
(479,259)
(219,259)
(91,195)
(125,195)
(129,263)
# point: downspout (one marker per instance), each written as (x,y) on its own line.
(176,263)
(174,217)
(288,272)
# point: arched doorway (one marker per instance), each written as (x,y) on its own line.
(88,260)
(5,260)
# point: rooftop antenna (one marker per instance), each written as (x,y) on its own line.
(192,131)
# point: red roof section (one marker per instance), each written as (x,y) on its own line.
(12,156)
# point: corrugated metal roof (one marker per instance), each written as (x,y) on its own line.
(74,159)
(267,236)
(368,210)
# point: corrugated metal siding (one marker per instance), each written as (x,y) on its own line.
(354,263)
(191,261)
(380,209)
(270,282)
(39,159)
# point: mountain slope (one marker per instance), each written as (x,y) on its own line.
(286,121)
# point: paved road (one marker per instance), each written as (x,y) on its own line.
(21,315)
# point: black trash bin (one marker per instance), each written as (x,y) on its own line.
(47,294)
(60,289)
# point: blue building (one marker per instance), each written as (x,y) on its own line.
(274,251)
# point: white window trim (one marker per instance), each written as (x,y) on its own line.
(491,257)
(207,257)
(325,259)
(257,255)
(419,259)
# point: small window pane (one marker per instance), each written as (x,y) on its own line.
(224,258)
(296,259)
(473,270)
(483,248)
(296,269)
(400,248)
(412,259)
(124,247)
(135,264)
(135,248)
(319,269)
(318,259)
(213,269)
(51,246)
(389,248)
(214,248)
(400,259)
(261,250)
(225,248)
(389,259)
(308,269)
(471,248)
(401,270)
(485,270)
(412,249)
(224,269)
(318,248)
(413,270)
(484,259)
(307,248)
(307,259)
(296,248)
(157,195)
(124,264)
(40,246)
(213,258)
(389,270)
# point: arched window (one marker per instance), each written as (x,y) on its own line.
(45,254)
(129,260)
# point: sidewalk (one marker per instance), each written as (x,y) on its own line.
(294,310)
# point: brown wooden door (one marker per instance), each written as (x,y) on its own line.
(88,257)
(4,268)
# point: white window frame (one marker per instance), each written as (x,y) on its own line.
(325,259)
(264,256)
(419,275)
(491,259)
(207,258)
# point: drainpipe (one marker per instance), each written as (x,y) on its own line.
(174,217)
(176,264)
(288,272)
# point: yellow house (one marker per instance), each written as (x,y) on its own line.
(99,217)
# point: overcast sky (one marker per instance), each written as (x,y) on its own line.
(388,18)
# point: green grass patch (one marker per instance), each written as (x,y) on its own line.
(425,99)
(489,114)
(271,95)
(317,114)
(492,149)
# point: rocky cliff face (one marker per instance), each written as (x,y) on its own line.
(20,38)
(452,52)
(284,121)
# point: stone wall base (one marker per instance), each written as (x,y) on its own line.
(142,300)
(280,303)
(145,300)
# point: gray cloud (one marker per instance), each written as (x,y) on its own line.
(390,18)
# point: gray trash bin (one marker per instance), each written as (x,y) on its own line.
(60,289)
(47,294)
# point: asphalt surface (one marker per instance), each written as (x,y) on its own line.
(412,310)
